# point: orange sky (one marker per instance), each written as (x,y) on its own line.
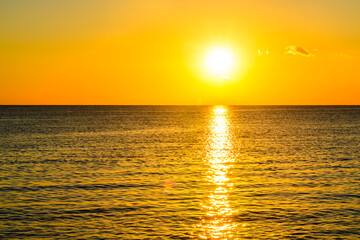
(151,52)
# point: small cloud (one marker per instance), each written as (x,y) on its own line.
(296,50)
(263,52)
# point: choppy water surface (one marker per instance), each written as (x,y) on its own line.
(176,172)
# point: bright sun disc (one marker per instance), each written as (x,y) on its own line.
(219,61)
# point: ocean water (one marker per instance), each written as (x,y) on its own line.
(180,172)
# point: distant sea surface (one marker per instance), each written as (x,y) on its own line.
(179,172)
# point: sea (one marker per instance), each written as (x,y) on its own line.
(180,172)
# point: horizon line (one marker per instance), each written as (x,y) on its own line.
(179,105)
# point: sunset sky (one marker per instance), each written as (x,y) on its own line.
(155,52)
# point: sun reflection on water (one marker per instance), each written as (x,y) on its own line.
(217,222)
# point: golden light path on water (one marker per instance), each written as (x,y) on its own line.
(217,222)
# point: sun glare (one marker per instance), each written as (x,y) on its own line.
(220,62)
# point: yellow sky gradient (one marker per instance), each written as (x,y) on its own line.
(152,52)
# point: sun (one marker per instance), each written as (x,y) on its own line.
(219,62)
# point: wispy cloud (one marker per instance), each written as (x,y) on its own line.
(296,50)
(263,52)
